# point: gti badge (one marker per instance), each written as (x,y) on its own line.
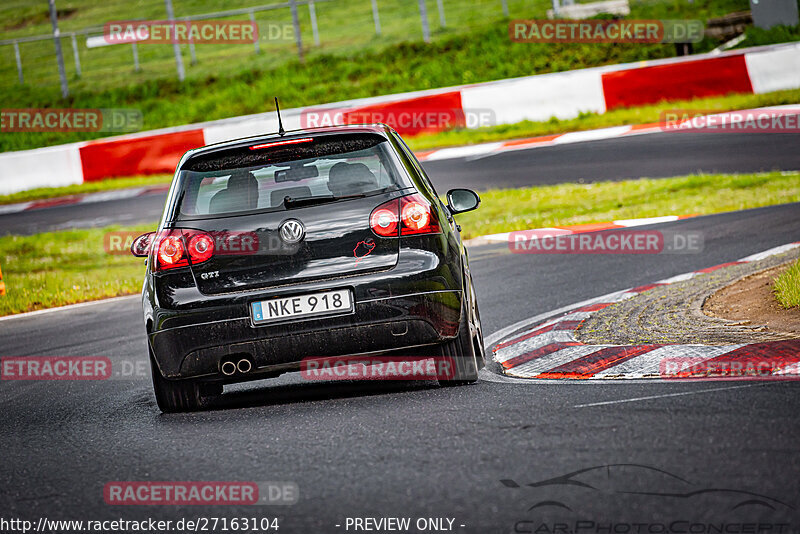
(292,231)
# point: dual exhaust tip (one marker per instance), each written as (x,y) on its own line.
(230,368)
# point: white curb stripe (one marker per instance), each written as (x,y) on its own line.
(646,365)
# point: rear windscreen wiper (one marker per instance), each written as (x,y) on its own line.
(290,202)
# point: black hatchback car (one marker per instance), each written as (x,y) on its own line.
(316,243)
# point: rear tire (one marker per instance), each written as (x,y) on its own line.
(461,351)
(174,396)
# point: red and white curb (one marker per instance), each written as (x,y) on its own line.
(89,198)
(550,349)
(698,124)
(577,229)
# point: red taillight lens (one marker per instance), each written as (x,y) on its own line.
(201,247)
(417,216)
(413,215)
(383,220)
(176,248)
(170,252)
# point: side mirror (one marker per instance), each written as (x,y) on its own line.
(461,200)
(141,245)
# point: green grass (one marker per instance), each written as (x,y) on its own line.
(564,204)
(590,121)
(787,287)
(58,268)
(351,62)
(88,187)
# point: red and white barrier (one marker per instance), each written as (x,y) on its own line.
(563,95)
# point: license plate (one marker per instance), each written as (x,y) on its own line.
(302,306)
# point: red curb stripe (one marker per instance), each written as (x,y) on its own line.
(714,268)
(562,325)
(646,287)
(590,365)
(769,356)
(590,227)
(531,140)
(538,353)
(593,307)
(62,201)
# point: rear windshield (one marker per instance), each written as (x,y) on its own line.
(243,180)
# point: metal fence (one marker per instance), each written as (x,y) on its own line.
(293,30)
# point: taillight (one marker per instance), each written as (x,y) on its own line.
(412,214)
(177,248)
(417,216)
(384,220)
(201,247)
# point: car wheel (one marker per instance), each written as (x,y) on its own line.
(181,395)
(462,351)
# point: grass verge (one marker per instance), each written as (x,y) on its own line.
(88,187)
(507,210)
(787,287)
(58,268)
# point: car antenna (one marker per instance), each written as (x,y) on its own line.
(281,131)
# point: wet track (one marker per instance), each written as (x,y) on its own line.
(416,450)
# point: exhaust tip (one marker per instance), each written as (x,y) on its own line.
(244,365)
(228,368)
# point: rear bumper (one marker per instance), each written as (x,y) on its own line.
(376,325)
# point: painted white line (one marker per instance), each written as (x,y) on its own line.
(14,208)
(69,307)
(666,395)
(647,220)
(770,252)
(592,135)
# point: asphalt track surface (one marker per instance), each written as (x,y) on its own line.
(654,155)
(416,450)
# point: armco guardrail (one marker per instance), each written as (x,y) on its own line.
(536,98)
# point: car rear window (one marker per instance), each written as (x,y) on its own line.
(261,178)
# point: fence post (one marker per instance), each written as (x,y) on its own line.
(296,23)
(312,13)
(135,56)
(376,17)
(19,62)
(505,8)
(556,8)
(76,56)
(175,46)
(442,20)
(256,43)
(423,15)
(62,73)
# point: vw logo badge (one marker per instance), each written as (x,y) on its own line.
(292,231)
